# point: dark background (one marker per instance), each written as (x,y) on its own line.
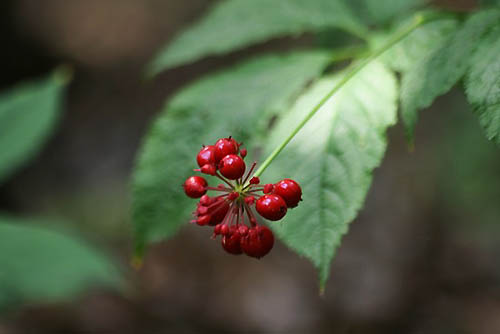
(422,257)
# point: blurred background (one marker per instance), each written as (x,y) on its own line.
(422,257)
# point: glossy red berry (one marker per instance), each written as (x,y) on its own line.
(225,146)
(271,207)
(206,156)
(232,167)
(205,200)
(224,230)
(195,186)
(231,242)
(258,241)
(254,180)
(243,152)
(268,188)
(203,220)
(290,191)
(208,169)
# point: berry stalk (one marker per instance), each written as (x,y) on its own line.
(419,20)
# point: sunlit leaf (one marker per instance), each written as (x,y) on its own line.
(333,158)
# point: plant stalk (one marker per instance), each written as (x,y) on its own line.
(417,22)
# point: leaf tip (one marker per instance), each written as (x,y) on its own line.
(321,291)
(136,262)
(64,74)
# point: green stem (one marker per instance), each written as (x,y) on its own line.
(419,20)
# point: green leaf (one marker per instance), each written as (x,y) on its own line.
(332,158)
(483,84)
(37,264)
(234,24)
(442,69)
(382,11)
(416,46)
(28,114)
(235,102)
(490,2)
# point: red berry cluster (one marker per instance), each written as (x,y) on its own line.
(231,211)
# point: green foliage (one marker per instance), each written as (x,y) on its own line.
(483,84)
(403,56)
(38,264)
(382,11)
(234,24)
(490,2)
(437,73)
(333,157)
(235,102)
(28,114)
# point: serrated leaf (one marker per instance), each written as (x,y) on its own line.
(417,45)
(483,84)
(38,264)
(28,114)
(442,69)
(234,24)
(333,157)
(233,102)
(382,11)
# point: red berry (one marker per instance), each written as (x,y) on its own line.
(231,242)
(224,230)
(232,167)
(206,156)
(243,229)
(271,207)
(232,196)
(254,180)
(208,169)
(268,188)
(201,210)
(250,200)
(217,229)
(225,146)
(243,152)
(195,186)
(205,200)
(203,220)
(218,212)
(290,191)
(258,241)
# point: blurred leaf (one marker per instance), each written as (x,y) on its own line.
(470,178)
(28,114)
(234,24)
(437,73)
(483,84)
(234,102)
(416,46)
(490,2)
(333,157)
(382,11)
(38,264)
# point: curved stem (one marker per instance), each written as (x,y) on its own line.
(418,21)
